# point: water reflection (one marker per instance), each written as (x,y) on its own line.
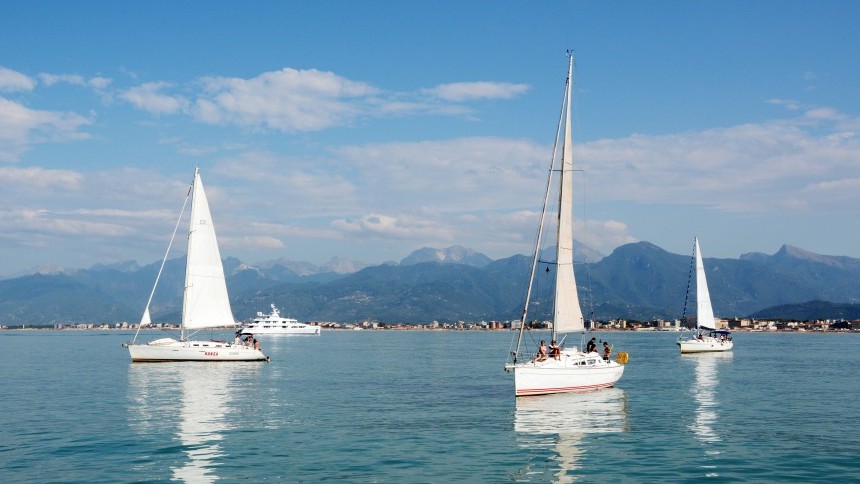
(563,422)
(705,426)
(188,402)
(704,391)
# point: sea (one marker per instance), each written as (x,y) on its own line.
(426,407)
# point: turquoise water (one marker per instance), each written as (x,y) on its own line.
(387,406)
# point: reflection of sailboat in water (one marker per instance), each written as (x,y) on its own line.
(704,390)
(204,395)
(564,421)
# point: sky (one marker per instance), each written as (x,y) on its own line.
(367,130)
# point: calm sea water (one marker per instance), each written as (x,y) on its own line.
(390,406)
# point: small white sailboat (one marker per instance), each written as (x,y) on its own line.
(205,302)
(570,369)
(274,324)
(707,337)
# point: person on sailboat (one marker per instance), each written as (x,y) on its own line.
(591,346)
(541,356)
(606,351)
(554,350)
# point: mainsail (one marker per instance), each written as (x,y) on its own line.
(704,311)
(567,314)
(206,304)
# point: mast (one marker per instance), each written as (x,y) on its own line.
(543,215)
(182,331)
(567,315)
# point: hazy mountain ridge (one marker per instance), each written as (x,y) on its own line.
(637,281)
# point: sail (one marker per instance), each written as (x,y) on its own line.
(206,304)
(704,311)
(145,320)
(568,314)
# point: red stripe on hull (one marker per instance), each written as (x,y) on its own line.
(544,391)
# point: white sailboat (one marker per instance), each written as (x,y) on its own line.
(707,337)
(205,302)
(571,369)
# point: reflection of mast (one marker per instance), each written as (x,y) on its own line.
(564,421)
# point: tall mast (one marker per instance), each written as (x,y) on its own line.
(538,239)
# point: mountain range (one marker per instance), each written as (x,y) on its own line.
(637,281)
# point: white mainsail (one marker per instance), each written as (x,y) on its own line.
(568,314)
(206,304)
(704,311)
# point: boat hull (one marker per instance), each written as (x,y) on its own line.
(708,345)
(172,350)
(565,375)
(308,330)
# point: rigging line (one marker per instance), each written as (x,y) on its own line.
(164,260)
(689,283)
(564,105)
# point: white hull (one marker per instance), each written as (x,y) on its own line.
(575,371)
(303,330)
(168,349)
(705,345)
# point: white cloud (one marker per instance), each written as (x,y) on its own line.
(51,79)
(36,178)
(467,91)
(15,81)
(376,225)
(265,242)
(789,104)
(295,100)
(823,114)
(747,168)
(56,224)
(463,174)
(287,100)
(20,127)
(149,97)
(97,83)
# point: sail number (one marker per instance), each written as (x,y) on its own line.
(210,353)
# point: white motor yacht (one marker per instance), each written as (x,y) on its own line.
(273,323)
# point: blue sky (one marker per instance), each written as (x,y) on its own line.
(370,129)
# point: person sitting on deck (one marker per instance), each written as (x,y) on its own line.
(554,350)
(591,346)
(541,355)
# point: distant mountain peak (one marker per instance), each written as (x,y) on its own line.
(342,265)
(456,254)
